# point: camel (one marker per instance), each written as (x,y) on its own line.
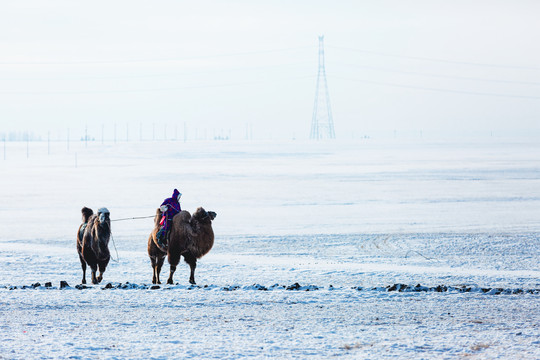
(93,242)
(191,236)
(156,252)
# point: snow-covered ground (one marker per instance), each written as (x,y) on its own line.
(368,249)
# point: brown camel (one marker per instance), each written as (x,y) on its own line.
(156,252)
(93,242)
(191,237)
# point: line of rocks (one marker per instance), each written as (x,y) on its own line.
(293,287)
(444,288)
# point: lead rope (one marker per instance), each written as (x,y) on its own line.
(114,244)
(135,218)
(117,260)
(117,257)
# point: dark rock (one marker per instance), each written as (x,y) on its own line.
(35,285)
(155,287)
(294,286)
(63,284)
(48,284)
(226,288)
(397,287)
(259,287)
(108,286)
(441,288)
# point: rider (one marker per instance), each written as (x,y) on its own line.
(169,208)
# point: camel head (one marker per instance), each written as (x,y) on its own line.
(202,215)
(101,233)
(104,217)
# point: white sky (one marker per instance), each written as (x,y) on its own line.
(220,66)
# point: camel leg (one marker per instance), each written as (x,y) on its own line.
(174,259)
(102,266)
(158,269)
(94,270)
(192,261)
(155,275)
(157,263)
(170,280)
(83,266)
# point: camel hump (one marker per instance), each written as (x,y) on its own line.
(182,217)
(86,213)
(157,217)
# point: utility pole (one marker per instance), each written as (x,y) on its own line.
(185,131)
(322,124)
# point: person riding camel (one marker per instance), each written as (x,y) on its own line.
(170,207)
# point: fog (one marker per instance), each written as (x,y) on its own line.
(132,70)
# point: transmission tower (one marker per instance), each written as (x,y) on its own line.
(322,125)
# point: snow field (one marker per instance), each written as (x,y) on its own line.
(331,217)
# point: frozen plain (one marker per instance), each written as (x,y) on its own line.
(344,221)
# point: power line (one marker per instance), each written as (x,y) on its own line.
(442,76)
(262,67)
(150,89)
(176,59)
(521,67)
(438,89)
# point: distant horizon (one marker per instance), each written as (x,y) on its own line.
(198,134)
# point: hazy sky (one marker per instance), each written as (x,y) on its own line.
(222,67)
